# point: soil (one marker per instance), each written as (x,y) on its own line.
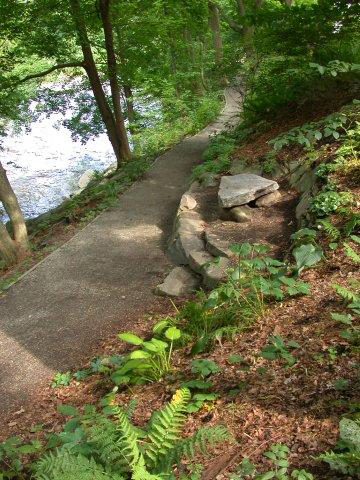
(272,226)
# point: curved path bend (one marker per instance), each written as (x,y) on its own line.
(52,317)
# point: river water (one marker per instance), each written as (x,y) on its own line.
(44,164)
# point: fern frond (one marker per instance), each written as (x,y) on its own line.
(165,427)
(130,408)
(331,231)
(115,442)
(345,293)
(352,224)
(200,441)
(349,252)
(140,473)
(347,463)
(62,465)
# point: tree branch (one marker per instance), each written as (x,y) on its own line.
(46,72)
(235,26)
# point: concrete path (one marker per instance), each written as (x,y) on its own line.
(53,316)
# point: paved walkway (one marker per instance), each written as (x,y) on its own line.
(52,317)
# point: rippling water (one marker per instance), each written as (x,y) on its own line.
(45,164)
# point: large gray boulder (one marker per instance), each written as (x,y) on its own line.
(243,188)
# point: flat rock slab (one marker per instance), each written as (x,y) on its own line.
(180,281)
(243,188)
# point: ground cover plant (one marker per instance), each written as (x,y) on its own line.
(273,352)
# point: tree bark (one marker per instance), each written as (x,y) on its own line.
(90,67)
(129,105)
(197,82)
(114,84)
(12,249)
(8,249)
(216,33)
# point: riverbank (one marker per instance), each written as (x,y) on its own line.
(51,230)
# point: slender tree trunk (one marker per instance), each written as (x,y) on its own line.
(12,249)
(216,33)
(129,104)
(126,80)
(114,84)
(197,83)
(95,82)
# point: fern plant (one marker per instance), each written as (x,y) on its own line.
(346,458)
(117,450)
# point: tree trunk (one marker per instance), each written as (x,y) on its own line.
(8,248)
(197,83)
(114,84)
(12,207)
(96,86)
(216,33)
(129,106)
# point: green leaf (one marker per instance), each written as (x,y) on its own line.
(266,476)
(136,354)
(306,256)
(130,338)
(342,317)
(172,333)
(160,326)
(235,358)
(67,410)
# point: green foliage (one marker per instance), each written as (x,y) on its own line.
(278,349)
(277,454)
(346,458)
(304,236)
(306,256)
(198,401)
(113,449)
(216,158)
(352,333)
(61,380)
(325,203)
(349,252)
(150,363)
(330,230)
(12,453)
(204,367)
(255,277)
(310,133)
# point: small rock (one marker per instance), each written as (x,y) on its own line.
(199,260)
(194,186)
(241,214)
(187,202)
(215,273)
(110,170)
(269,199)
(243,188)
(180,281)
(216,246)
(183,244)
(303,205)
(306,181)
(208,179)
(85,178)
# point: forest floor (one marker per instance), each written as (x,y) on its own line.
(261,402)
(94,283)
